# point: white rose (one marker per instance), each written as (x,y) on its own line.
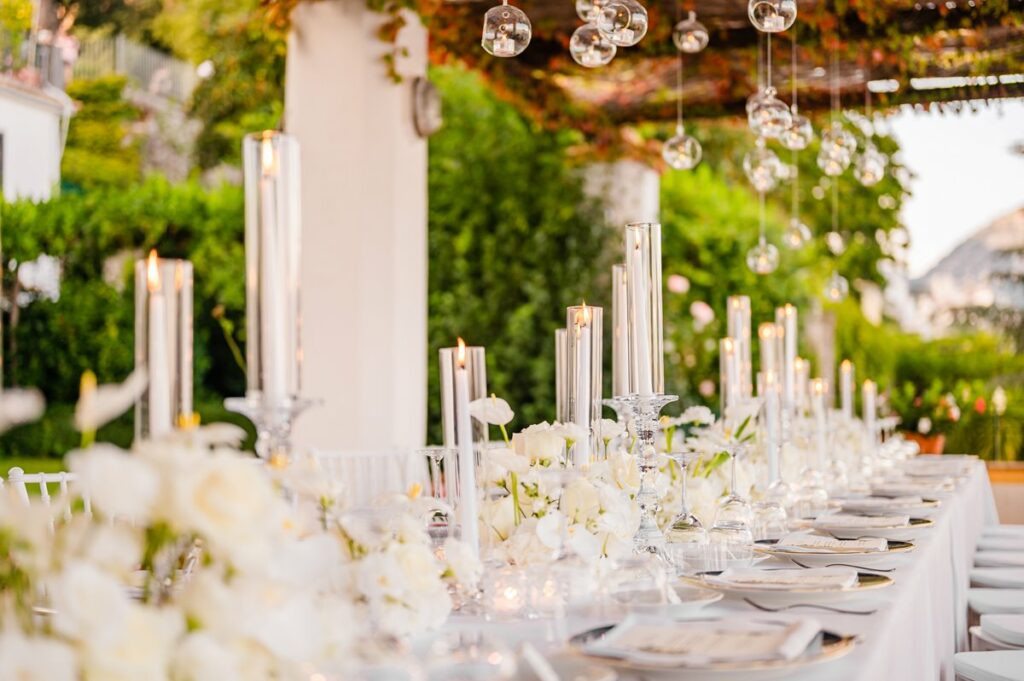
(91,605)
(625,472)
(140,650)
(698,415)
(584,544)
(116,548)
(117,483)
(35,659)
(201,657)
(540,443)
(525,546)
(464,566)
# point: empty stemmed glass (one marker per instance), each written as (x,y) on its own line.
(442,463)
(730,540)
(685,527)
(733,507)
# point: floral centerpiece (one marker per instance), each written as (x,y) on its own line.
(926,414)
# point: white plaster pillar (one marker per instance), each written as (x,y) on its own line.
(630,191)
(364,211)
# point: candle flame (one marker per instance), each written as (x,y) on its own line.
(788,309)
(869,385)
(818,386)
(152,272)
(583,315)
(845,366)
(727,343)
(460,355)
(268,160)
(766,330)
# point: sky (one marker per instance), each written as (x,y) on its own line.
(967,175)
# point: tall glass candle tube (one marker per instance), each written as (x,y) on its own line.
(584,333)
(643,299)
(272,259)
(475,365)
(819,395)
(769,383)
(561,377)
(729,376)
(769,346)
(739,328)
(163,345)
(846,382)
(468,512)
(620,332)
(786,317)
(869,398)
(801,374)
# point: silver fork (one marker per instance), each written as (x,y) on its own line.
(809,605)
(857,567)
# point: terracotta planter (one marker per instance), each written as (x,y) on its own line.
(929,444)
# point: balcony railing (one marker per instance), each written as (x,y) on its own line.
(146,68)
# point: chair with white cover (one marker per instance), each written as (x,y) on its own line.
(998,577)
(999,559)
(1004,532)
(999,665)
(987,601)
(19,481)
(1001,543)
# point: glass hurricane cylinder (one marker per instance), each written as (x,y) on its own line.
(739,329)
(644,312)
(476,373)
(561,377)
(786,318)
(273,239)
(584,361)
(729,376)
(163,345)
(846,382)
(620,332)
(770,347)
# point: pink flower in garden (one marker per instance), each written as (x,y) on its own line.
(706,388)
(677,283)
(702,314)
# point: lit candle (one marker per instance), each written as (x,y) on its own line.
(273,287)
(159,362)
(869,395)
(739,329)
(468,515)
(819,390)
(561,376)
(773,419)
(583,406)
(801,370)
(786,316)
(620,332)
(728,367)
(846,388)
(768,341)
(640,335)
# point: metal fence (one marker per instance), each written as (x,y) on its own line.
(146,68)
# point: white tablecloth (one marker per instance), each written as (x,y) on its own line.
(921,619)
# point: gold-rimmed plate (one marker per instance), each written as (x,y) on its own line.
(912,530)
(925,507)
(828,647)
(776,594)
(822,557)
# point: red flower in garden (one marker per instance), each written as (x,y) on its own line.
(917,401)
(980,405)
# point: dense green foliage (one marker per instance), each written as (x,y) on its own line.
(99,150)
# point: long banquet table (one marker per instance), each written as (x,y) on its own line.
(921,620)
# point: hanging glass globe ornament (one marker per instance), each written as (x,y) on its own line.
(507,31)
(869,169)
(590,48)
(763,258)
(836,288)
(838,139)
(771,16)
(589,10)
(762,167)
(690,35)
(681,151)
(623,22)
(799,133)
(769,116)
(797,234)
(833,162)
(835,242)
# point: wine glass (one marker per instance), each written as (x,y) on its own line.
(685,527)
(733,507)
(441,463)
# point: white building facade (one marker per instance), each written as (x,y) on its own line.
(33,127)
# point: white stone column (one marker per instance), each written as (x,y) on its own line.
(364,210)
(630,191)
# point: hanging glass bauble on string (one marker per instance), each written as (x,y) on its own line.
(797,234)
(589,10)
(769,116)
(762,167)
(590,48)
(763,258)
(836,288)
(681,151)
(869,167)
(623,22)
(507,31)
(835,242)
(799,133)
(690,35)
(771,16)
(838,139)
(833,162)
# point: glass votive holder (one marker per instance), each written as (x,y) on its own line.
(548,592)
(506,594)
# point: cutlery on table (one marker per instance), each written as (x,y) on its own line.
(809,605)
(858,567)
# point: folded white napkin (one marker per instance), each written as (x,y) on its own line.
(667,643)
(866,521)
(816,543)
(880,504)
(836,578)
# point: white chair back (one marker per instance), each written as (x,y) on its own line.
(20,481)
(362,479)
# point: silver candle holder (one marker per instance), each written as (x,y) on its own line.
(273,238)
(164,345)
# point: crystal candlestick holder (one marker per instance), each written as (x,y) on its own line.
(273,424)
(645,409)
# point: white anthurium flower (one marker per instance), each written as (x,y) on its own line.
(551,529)
(580,501)
(584,544)
(611,429)
(25,658)
(625,472)
(98,405)
(141,648)
(697,415)
(498,516)
(462,563)
(500,462)
(571,432)
(540,443)
(117,484)
(18,406)
(491,410)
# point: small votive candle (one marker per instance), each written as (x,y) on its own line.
(505,593)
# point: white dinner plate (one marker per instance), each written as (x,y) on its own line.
(916,528)
(867,582)
(689,600)
(824,558)
(829,648)
(925,508)
(570,668)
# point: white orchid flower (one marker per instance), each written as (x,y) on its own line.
(698,415)
(491,410)
(20,406)
(611,429)
(98,405)
(572,432)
